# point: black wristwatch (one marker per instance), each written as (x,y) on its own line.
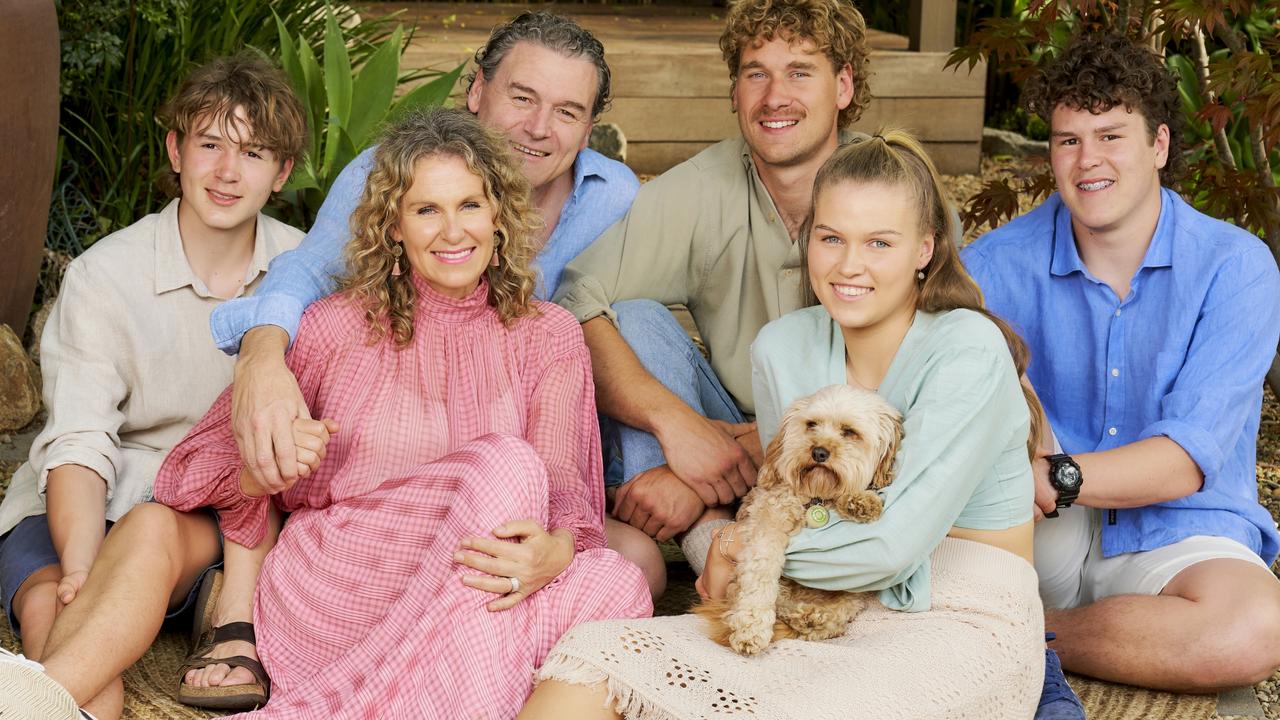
(1065,477)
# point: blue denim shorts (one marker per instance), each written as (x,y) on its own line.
(28,547)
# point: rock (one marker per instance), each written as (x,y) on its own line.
(19,386)
(37,329)
(1002,142)
(608,140)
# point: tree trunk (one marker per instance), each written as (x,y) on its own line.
(29,135)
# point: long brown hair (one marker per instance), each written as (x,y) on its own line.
(895,157)
(388,298)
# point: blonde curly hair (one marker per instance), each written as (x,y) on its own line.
(389,299)
(835,27)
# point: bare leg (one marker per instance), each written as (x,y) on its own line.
(241,566)
(148,562)
(553,699)
(632,544)
(1215,626)
(36,605)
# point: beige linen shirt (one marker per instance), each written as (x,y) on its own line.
(707,235)
(129,364)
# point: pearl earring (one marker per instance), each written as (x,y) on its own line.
(919,274)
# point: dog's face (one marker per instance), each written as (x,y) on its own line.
(838,440)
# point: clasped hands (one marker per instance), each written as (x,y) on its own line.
(311,440)
(709,463)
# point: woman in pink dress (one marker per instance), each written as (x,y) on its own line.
(452,528)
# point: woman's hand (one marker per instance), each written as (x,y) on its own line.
(713,583)
(537,559)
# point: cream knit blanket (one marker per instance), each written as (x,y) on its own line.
(978,653)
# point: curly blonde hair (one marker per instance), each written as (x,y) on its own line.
(835,27)
(895,157)
(389,299)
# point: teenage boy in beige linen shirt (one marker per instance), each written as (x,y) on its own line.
(128,368)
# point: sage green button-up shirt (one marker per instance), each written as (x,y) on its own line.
(706,235)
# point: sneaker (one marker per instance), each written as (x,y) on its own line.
(26,693)
(1057,700)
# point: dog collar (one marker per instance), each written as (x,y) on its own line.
(816,514)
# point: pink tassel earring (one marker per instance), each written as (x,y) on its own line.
(396,251)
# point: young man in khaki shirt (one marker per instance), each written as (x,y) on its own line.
(717,234)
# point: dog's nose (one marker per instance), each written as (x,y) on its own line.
(820,454)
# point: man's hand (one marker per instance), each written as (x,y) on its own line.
(311,438)
(1046,493)
(265,400)
(658,503)
(70,584)
(707,458)
(747,435)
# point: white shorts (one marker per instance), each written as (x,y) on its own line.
(1068,555)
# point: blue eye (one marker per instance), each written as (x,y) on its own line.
(879,244)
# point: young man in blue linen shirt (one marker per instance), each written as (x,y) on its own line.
(543,80)
(1151,327)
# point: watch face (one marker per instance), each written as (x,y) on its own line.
(1067,475)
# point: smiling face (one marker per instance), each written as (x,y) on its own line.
(787,96)
(543,100)
(446,225)
(1108,169)
(864,250)
(225,177)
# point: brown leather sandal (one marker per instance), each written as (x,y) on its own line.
(247,696)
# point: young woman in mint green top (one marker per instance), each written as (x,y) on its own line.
(963,461)
(898,315)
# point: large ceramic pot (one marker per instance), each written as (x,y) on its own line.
(28,144)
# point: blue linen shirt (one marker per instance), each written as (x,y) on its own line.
(602,192)
(1183,356)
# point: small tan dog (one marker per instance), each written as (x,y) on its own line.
(833,450)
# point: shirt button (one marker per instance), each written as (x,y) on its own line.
(1115,372)
(1111,431)
(1117,312)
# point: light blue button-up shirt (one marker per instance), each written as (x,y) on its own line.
(602,192)
(1183,356)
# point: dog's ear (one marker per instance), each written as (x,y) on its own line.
(884,470)
(770,473)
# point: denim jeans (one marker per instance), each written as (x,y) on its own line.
(667,352)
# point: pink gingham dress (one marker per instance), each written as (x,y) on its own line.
(360,610)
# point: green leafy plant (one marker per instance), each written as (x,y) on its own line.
(346,108)
(123,58)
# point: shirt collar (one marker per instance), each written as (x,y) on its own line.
(589,163)
(172,269)
(1066,256)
